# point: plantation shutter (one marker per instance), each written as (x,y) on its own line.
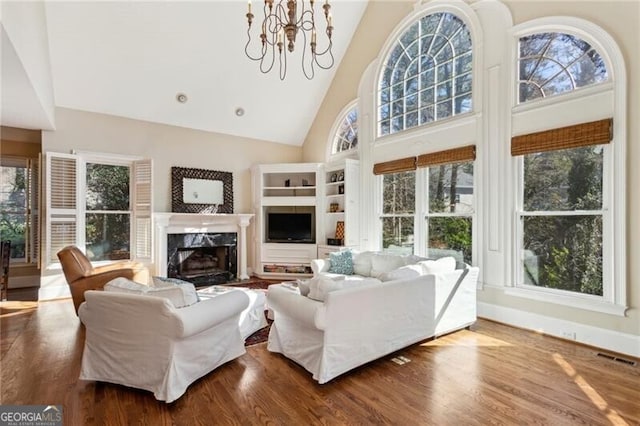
(62,210)
(142,210)
(578,135)
(33,208)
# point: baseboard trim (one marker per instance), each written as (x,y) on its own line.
(615,341)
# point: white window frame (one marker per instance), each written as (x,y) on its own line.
(333,134)
(140,205)
(581,105)
(428,214)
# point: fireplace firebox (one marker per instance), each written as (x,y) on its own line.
(202,258)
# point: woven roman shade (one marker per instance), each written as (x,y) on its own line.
(395,166)
(449,156)
(585,134)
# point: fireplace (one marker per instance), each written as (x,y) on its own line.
(202,258)
(214,244)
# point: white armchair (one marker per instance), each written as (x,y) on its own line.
(145,342)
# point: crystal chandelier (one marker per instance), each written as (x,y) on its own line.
(288,19)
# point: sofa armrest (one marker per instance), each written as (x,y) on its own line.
(292,304)
(209,312)
(320,265)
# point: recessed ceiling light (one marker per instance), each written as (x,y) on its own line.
(239,112)
(182,98)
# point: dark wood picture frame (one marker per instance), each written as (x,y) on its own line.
(178,174)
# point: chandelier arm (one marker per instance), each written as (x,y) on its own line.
(309,74)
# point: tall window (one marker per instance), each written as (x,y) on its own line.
(19,207)
(555,63)
(447,222)
(108,211)
(562,213)
(346,137)
(451,207)
(427,75)
(100,203)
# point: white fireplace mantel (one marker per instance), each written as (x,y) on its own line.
(187,223)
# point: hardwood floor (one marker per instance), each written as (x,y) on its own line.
(491,374)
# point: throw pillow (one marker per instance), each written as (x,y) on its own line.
(341,262)
(362,263)
(159,282)
(381,263)
(124,285)
(179,295)
(439,266)
(404,272)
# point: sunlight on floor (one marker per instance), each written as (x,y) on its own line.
(466,338)
(10,309)
(589,391)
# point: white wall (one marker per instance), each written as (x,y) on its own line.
(167,146)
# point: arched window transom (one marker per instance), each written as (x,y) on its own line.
(555,63)
(347,135)
(427,75)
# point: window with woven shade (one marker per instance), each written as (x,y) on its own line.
(450,200)
(562,213)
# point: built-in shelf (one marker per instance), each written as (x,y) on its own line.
(285,188)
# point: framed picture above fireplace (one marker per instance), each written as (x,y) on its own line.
(201,191)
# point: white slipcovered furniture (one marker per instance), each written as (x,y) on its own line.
(362,319)
(144,341)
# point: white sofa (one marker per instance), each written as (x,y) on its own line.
(145,342)
(359,323)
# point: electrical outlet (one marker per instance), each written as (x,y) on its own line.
(569,335)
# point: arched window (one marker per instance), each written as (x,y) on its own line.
(567,173)
(427,75)
(346,136)
(554,63)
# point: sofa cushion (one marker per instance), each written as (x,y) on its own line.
(404,272)
(381,263)
(341,262)
(321,286)
(362,263)
(179,295)
(439,266)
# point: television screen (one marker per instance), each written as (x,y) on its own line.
(290,228)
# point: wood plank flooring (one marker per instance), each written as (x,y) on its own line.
(490,374)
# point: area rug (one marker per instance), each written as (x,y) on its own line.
(261,335)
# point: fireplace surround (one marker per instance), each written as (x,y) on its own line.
(213,245)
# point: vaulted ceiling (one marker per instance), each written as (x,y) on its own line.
(131,59)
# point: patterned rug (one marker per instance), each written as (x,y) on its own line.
(261,335)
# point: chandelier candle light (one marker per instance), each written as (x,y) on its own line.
(288,18)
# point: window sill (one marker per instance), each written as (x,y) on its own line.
(587,304)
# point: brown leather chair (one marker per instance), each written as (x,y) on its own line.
(82,276)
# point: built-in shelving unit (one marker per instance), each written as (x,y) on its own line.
(340,203)
(285,188)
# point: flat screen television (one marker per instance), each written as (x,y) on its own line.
(290,228)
